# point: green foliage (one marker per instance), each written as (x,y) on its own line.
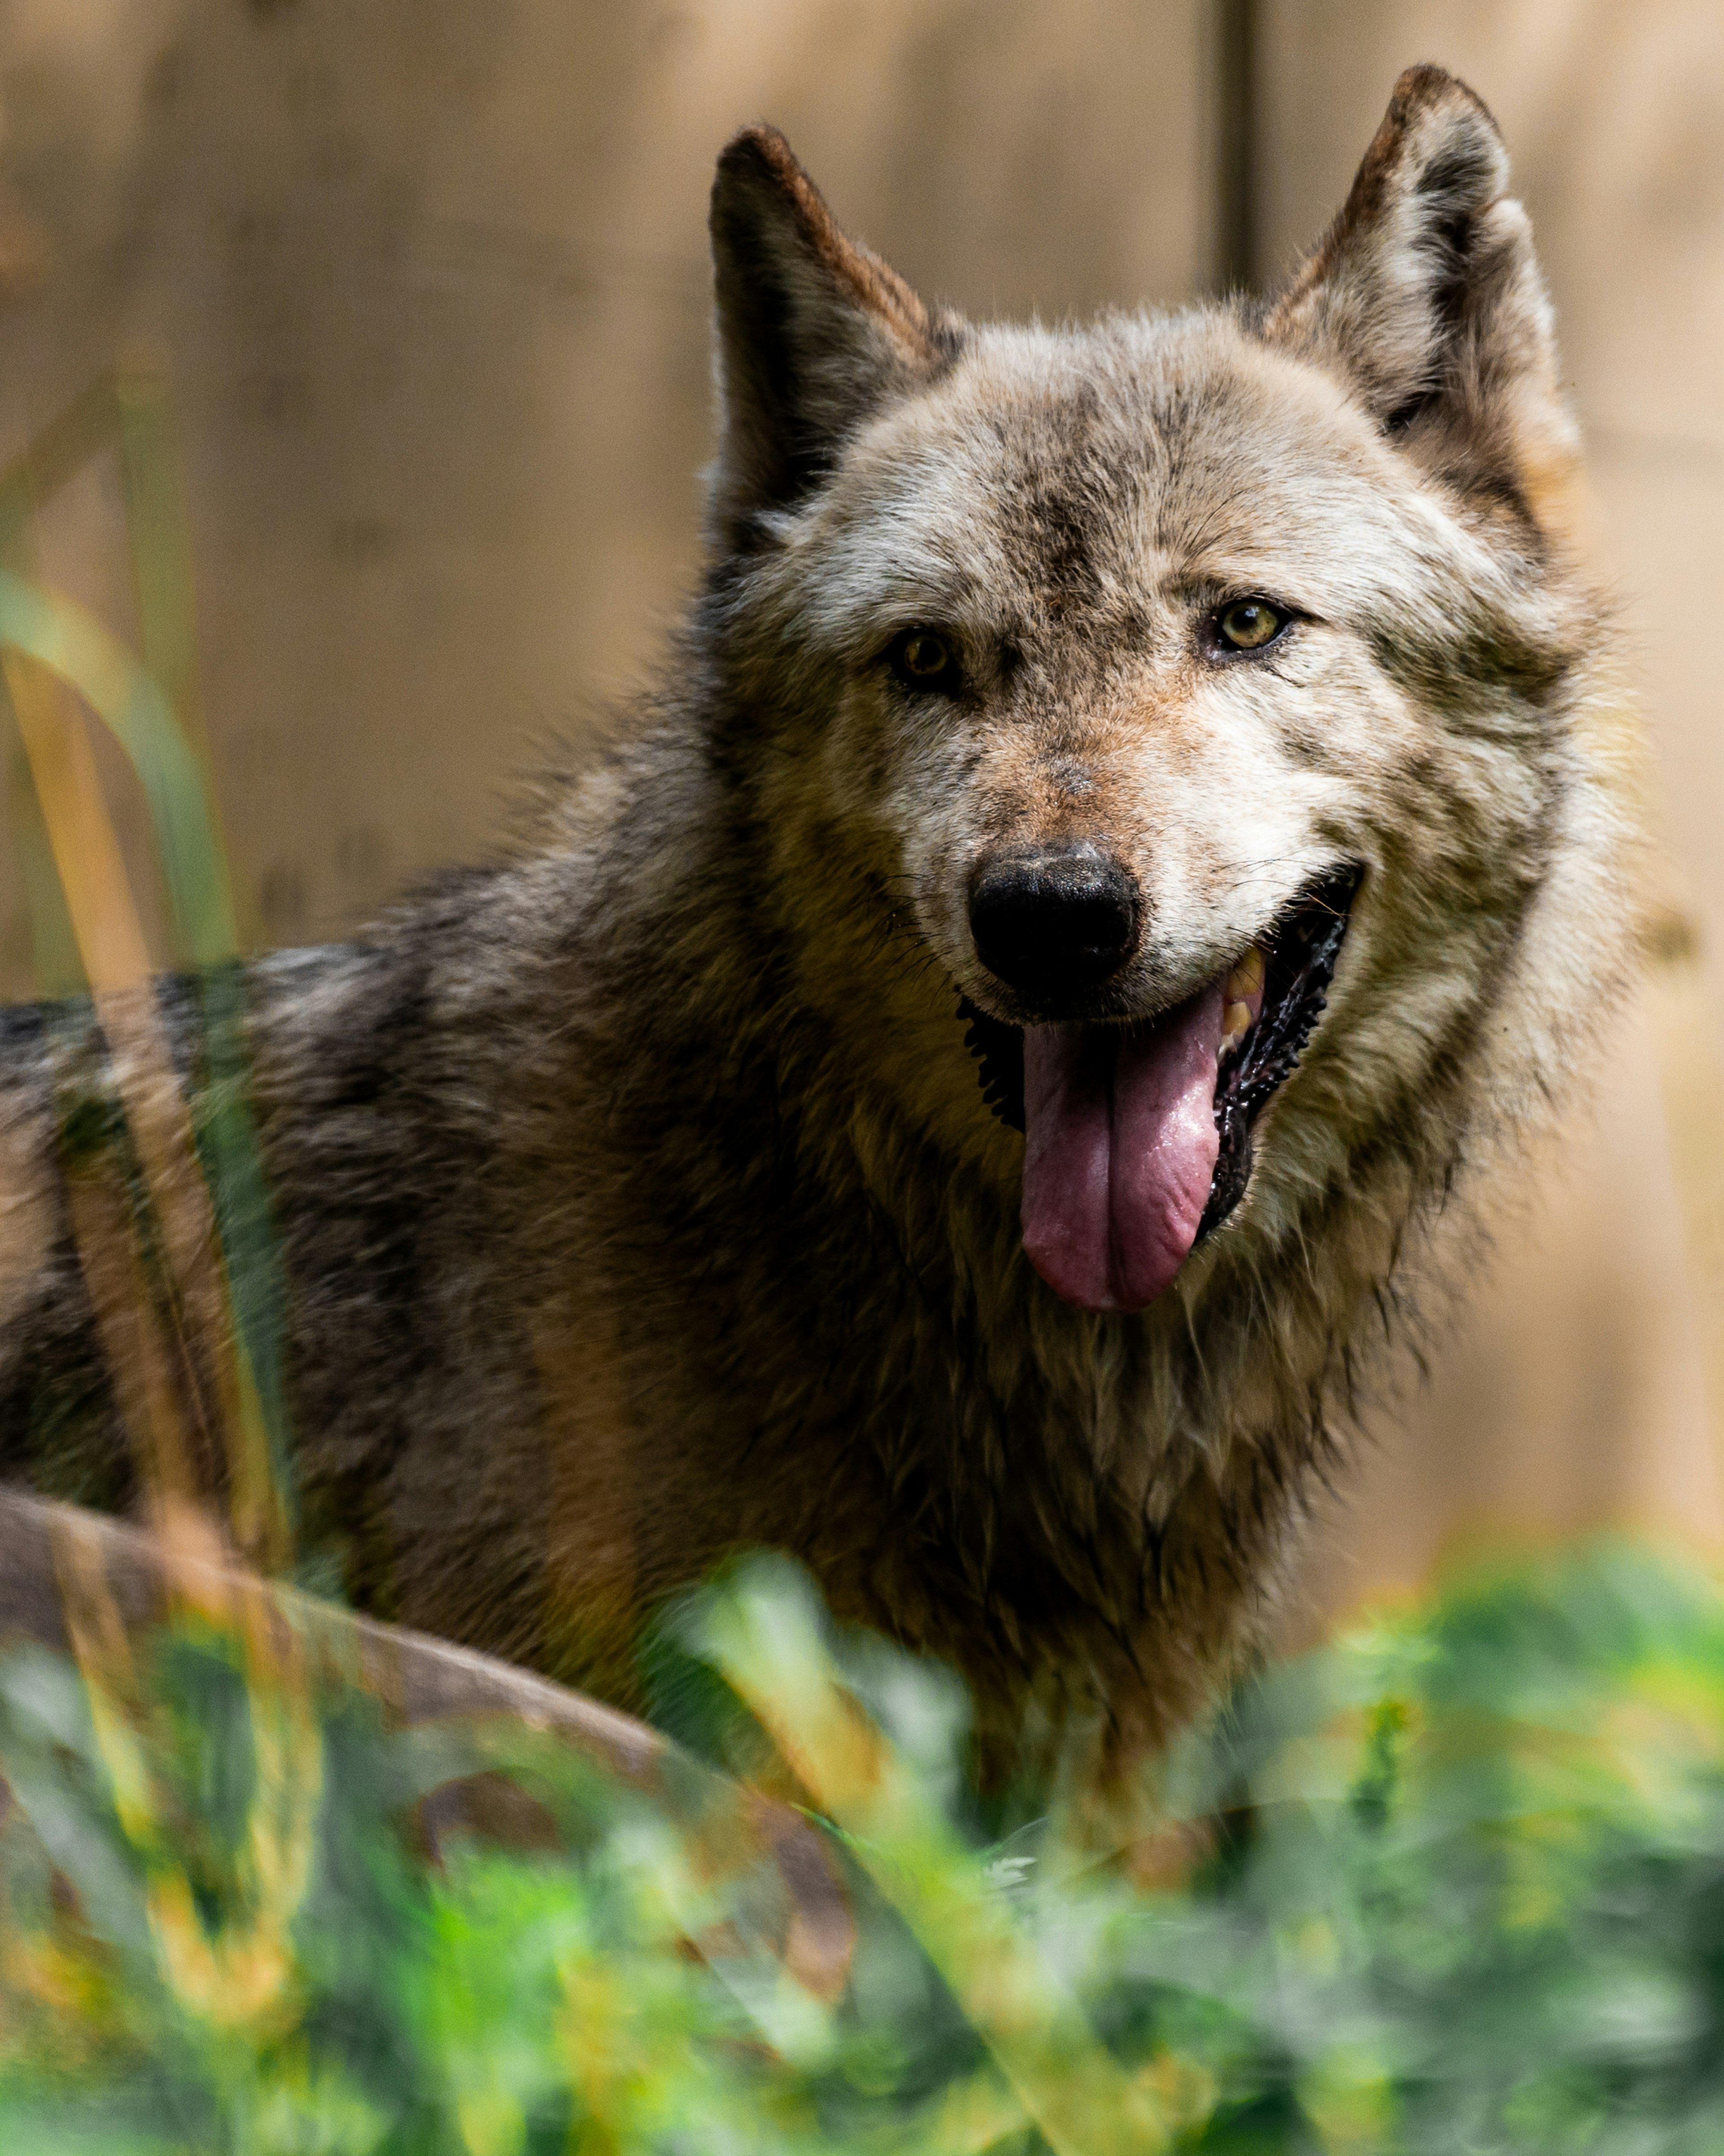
(1456,1885)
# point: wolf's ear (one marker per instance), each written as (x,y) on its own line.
(814,333)
(1425,295)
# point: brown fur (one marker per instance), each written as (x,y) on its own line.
(639,1196)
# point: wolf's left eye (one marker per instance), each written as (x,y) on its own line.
(924,660)
(1247,625)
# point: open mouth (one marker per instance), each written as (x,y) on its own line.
(1138,1139)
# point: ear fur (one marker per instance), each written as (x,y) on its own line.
(1426,297)
(814,333)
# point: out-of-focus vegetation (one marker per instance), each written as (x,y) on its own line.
(1460,1887)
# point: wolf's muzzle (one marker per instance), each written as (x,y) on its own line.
(1051,924)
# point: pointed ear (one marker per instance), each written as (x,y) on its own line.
(814,333)
(1426,297)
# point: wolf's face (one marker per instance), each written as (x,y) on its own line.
(1178,692)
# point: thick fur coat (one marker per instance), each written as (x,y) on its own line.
(639,1196)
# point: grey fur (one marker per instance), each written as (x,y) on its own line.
(639,1195)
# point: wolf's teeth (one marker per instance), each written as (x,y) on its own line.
(1241,998)
(1243,981)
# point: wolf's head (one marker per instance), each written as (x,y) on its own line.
(1193,698)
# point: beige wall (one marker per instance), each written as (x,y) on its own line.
(431,280)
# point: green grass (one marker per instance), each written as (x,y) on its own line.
(1462,1889)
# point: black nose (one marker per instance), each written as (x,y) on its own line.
(1049,923)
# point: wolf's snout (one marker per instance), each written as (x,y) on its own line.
(1048,924)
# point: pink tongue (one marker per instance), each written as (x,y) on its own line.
(1120,1146)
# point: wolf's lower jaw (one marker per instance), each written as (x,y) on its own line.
(1261,1020)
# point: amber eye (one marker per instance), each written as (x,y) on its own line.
(1247,625)
(924,660)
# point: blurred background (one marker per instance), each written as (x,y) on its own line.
(431,283)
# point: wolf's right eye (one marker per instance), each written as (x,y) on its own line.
(924,660)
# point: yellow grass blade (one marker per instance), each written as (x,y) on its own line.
(769,1650)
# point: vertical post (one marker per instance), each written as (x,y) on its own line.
(1233,174)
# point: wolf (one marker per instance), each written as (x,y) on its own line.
(1126,844)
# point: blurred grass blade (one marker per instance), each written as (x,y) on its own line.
(40,630)
(83,845)
(55,965)
(763,1637)
(63,637)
